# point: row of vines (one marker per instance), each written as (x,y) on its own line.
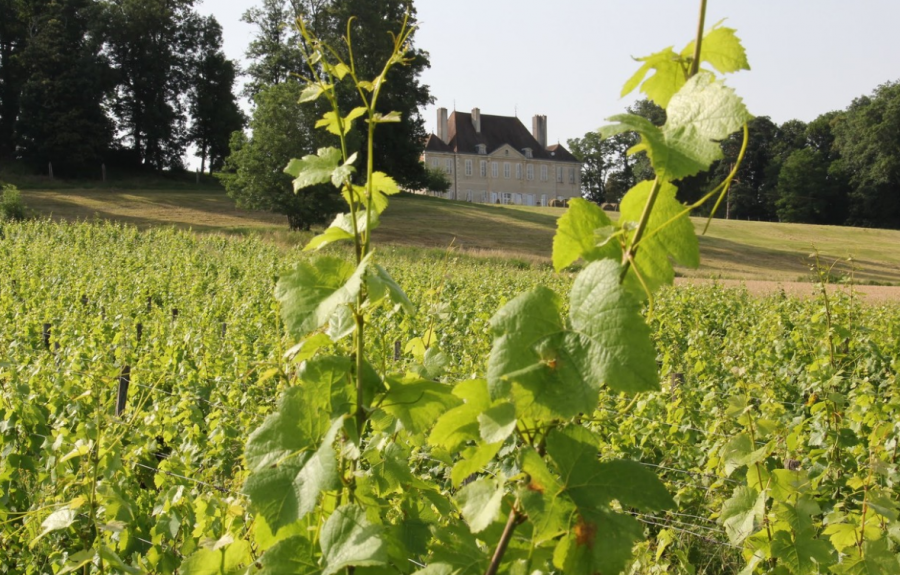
(776,426)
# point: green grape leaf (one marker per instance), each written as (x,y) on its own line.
(78,560)
(497,423)
(348,539)
(552,371)
(382,186)
(479,502)
(302,417)
(437,569)
(677,240)
(380,284)
(474,460)
(417,403)
(576,235)
(841,535)
(739,452)
(547,508)
(341,229)
(700,115)
(456,546)
(313,170)
(742,513)
(292,555)
(390,469)
(228,561)
(670,74)
(311,292)
(312,92)
(341,324)
(803,555)
(460,424)
(591,483)
(599,542)
(875,559)
(333,124)
(721,49)
(115,563)
(56,521)
(286,490)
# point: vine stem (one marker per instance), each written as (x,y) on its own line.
(511,523)
(695,63)
(631,252)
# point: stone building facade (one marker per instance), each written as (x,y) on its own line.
(495,159)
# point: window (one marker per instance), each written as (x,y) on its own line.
(495,170)
(571,175)
(506,198)
(481,148)
(527,152)
(507,170)
(543,173)
(544,200)
(468,167)
(435,163)
(518,171)
(559,174)
(483,168)
(449,166)
(530,172)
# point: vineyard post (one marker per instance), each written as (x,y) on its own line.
(45,334)
(140,332)
(124,381)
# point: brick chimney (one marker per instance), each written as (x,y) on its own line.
(443,131)
(539,130)
(476,120)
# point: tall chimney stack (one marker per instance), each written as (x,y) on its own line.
(476,120)
(539,130)
(443,132)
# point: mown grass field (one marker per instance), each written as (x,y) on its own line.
(730,250)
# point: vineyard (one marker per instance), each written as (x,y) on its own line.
(779,391)
(204,405)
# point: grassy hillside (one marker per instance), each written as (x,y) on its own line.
(732,249)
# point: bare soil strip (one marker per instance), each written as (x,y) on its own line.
(871,294)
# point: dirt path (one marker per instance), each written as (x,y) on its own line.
(872,294)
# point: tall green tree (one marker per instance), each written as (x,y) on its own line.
(254,175)
(806,192)
(214,110)
(61,118)
(13,39)
(150,43)
(868,140)
(594,154)
(398,146)
(274,52)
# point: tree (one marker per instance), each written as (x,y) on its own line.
(274,52)
(752,194)
(436,181)
(398,146)
(13,37)
(254,172)
(214,109)
(150,43)
(594,154)
(61,118)
(806,193)
(868,140)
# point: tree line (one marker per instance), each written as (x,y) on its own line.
(128,83)
(281,129)
(843,168)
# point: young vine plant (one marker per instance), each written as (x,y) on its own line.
(336,476)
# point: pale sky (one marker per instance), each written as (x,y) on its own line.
(568,59)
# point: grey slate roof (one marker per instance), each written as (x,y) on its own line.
(496,131)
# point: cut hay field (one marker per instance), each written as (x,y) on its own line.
(736,250)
